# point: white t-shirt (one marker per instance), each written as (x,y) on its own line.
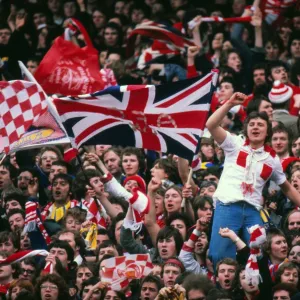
(231,186)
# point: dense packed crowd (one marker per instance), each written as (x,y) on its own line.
(196,228)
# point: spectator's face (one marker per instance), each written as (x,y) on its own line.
(99,19)
(119,7)
(111,295)
(294,255)
(226,91)
(39,19)
(234,62)
(294,218)
(278,248)
(70,238)
(159,204)
(5,271)
(279,73)
(257,130)
(61,254)
(206,211)
(290,276)
(296,147)
(96,295)
(180,226)
(207,191)
(137,16)
(16,222)
(49,291)
(259,76)
(296,23)
(56,169)
(27,271)
(108,250)
(12,204)
(113,57)
(281,295)
(247,287)
(112,162)
(101,148)
(118,231)
(267,108)
(54,6)
(176,3)
(280,143)
(48,157)
(166,248)
(238,7)
(5,34)
(72,223)
(15,292)
(110,37)
(32,66)
(172,201)
(23,181)
(226,276)
(69,9)
(158,172)
(102,57)
(295,49)
(149,291)
(5,180)
(101,238)
(25,242)
(130,185)
(130,164)
(97,183)
(217,42)
(201,244)
(60,190)
(8,247)
(272,51)
(194,294)
(82,275)
(170,274)
(212,178)
(208,151)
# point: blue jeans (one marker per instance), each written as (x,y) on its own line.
(238,217)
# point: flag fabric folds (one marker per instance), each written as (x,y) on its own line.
(167,118)
(21,104)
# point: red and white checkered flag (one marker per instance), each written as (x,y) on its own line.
(21,103)
(119,271)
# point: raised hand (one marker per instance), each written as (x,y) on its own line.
(193,51)
(237,99)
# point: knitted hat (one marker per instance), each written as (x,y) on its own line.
(287,161)
(280,92)
(140,181)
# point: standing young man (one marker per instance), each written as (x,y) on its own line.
(247,167)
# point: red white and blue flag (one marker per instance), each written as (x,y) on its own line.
(167,118)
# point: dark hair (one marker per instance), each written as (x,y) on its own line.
(276,64)
(259,66)
(63,245)
(289,287)
(63,292)
(18,196)
(294,36)
(138,153)
(61,163)
(216,294)
(261,115)
(272,232)
(33,172)
(118,28)
(153,279)
(91,281)
(199,202)
(208,183)
(179,216)
(169,167)
(227,261)
(64,177)
(275,40)
(124,204)
(255,103)
(168,232)
(231,81)
(197,282)
(16,211)
(225,55)
(14,237)
(13,172)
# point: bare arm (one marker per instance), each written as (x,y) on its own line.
(290,192)
(183,169)
(213,123)
(196,31)
(257,23)
(150,218)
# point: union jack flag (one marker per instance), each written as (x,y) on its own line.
(168,118)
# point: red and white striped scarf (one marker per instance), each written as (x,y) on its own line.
(33,222)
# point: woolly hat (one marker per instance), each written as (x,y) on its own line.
(140,181)
(286,162)
(280,92)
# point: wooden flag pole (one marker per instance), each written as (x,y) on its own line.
(188,182)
